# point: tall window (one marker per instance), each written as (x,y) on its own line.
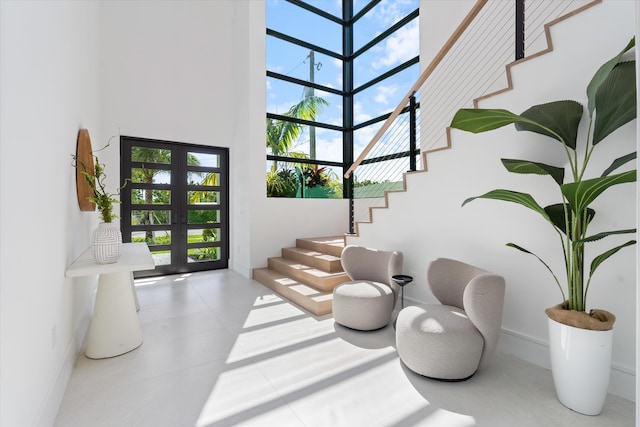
(334,72)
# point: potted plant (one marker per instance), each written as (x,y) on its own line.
(611,96)
(106,241)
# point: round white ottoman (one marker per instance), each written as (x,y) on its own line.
(438,341)
(362,304)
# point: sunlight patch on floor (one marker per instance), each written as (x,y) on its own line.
(268,299)
(279,337)
(236,391)
(444,418)
(270,313)
(148,281)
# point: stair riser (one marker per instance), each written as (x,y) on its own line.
(331,266)
(319,247)
(318,308)
(325,284)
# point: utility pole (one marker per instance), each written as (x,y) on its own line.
(309,92)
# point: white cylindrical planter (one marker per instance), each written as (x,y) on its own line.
(581,366)
(115,328)
(106,243)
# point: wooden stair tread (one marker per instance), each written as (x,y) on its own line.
(316,301)
(332,245)
(313,258)
(314,277)
(313,253)
(307,273)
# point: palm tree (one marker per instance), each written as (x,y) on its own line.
(283,134)
(209,180)
(146,175)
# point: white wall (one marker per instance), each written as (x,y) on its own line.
(50,89)
(429,222)
(265,225)
(438,20)
(188,71)
(177,71)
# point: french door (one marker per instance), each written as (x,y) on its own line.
(176,200)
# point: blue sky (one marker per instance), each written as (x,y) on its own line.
(292,60)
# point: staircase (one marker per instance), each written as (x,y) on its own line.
(307,273)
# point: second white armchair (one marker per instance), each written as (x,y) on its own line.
(366,302)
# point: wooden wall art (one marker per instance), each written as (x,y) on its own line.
(84,156)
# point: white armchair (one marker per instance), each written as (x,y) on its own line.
(452,340)
(366,302)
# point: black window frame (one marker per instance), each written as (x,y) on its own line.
(348,91)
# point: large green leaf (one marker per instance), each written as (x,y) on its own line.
(581,194)
(619,162)
(604,234)
(526,251)
(602,74)
(615,100)
(557,216)
(523,199)
(527,167)
(602,257)
(479,120)
(558,120)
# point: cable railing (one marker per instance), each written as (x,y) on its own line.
(471,64)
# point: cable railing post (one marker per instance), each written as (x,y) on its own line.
(519,30)
(351,215)
(412,132)
(348,189)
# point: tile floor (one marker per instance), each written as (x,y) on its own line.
(222,350)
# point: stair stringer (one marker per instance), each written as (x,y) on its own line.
(425,154)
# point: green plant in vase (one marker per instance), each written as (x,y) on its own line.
(104,200)
(106,241)
(580,370)
(612,95)
(95,177)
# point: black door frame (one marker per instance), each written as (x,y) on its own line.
(179,207)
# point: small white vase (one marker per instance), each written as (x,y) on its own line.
(581,366)
(106,243)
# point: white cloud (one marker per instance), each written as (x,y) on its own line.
(274,68)
(362,138)
(399,47)
(359,114)
(383,94)
(329,149)
(388,12)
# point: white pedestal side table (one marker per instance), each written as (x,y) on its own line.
(115,328)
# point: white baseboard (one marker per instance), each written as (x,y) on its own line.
(622,382)
(532,350)
(241,269)
(50,408)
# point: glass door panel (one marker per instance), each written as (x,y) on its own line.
(177,203)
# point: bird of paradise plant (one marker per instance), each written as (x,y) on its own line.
(611,96)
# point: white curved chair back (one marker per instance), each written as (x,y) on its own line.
(476,291)
(362,263)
